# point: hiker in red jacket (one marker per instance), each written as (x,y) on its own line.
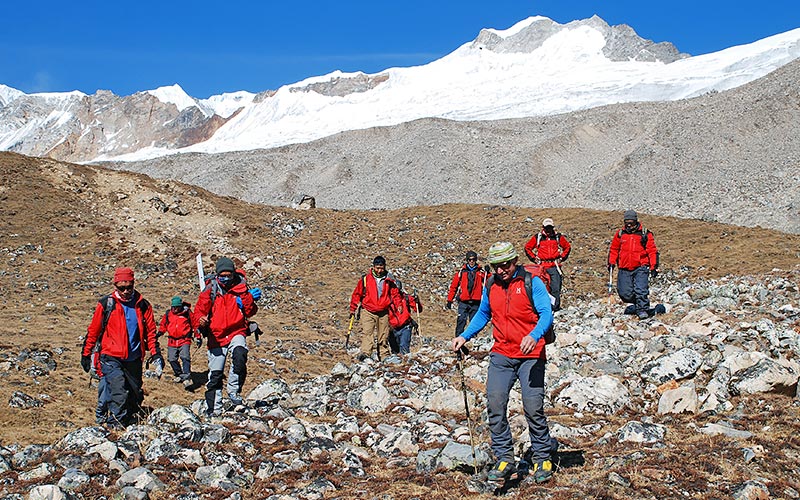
(178,324)
(124,329)
(466,287)
(221,315)
(401,320)
(519,322)
(549,249)
(374,293)
(633,250)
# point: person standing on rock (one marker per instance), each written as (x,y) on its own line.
(549,249)
(374,293)
(221,314)
(124,330)
(520,321)
(178,324)
(466,287)
(633,250)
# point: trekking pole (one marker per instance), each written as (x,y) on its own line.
(460,358)
(349,331)
(610,285)
(416,309)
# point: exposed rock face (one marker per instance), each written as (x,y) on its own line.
(76,127)
(343,86)
(622,42)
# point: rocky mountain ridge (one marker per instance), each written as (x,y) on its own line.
(726,157)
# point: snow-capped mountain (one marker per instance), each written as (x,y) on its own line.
(537,67)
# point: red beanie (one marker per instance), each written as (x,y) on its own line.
(123,274)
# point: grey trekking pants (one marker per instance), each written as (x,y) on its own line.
(634,288)
(216,367)
(503,373)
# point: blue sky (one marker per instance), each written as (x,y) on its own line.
(125,47)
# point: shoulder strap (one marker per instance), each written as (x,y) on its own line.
(645,233)
(108,306)
(166,316)
(529,288)
(538,239)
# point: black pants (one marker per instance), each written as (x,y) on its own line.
(466,310)
(124,382)
(634,288)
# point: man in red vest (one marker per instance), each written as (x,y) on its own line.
(466,287)
(374,292)
(519,323)
(549,249)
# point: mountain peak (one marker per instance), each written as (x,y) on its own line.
(616,43)
(173,94)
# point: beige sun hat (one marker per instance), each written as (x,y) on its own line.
(500,252)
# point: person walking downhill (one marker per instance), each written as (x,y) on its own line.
(401,319)
(466,287)
(178,324)
(221,314)
(633,250)
(374,293)
(520,321)
(549,249)
(122,332)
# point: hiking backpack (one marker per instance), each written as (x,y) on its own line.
(531,271)
(252,326)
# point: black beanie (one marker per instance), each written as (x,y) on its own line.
(471,255)
(379,261)
(225,264)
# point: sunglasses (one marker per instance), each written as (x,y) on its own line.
(124,288)
(471,259)
(503,265)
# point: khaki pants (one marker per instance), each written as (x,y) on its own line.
(374,324)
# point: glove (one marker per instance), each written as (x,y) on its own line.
(86,363)
(256,293)
(449,304)
(611,267)
(198,341)
(158,362)
(351,315)
(239,302)
(653,273)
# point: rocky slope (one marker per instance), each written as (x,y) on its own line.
(699,400)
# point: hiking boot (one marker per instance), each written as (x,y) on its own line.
(642,315)
(178,379)
(236,400)
(542,471)
(502,470)
(631,309)
(187,383)
(361,357)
